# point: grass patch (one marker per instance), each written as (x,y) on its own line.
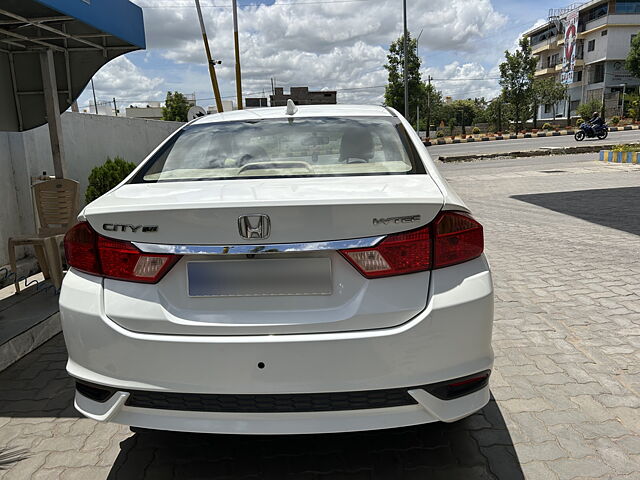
(627,148)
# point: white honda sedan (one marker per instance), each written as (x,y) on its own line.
(280,271)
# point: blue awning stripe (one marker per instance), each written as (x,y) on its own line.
(120,18)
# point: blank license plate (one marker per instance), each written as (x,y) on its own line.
(260,277)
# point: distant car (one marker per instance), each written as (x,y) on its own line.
(280,271)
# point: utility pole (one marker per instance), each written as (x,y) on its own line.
(95,102)
(418,106)
(211,63)
(115,106)
(429,78)
(237,47)
(500,114)
(406,62)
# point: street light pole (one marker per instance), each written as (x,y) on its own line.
(624,92)
(237,47)
(406,62)
(210,62)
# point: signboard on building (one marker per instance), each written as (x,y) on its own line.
(619,74)
(570,40)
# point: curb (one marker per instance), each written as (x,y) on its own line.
(444,141)
(531,153)
(619,157)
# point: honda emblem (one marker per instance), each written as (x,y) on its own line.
(254,226)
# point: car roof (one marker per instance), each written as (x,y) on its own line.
(303,111)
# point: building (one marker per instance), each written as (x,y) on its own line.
(605,29)
(152,111)
(302,96)
(227,106)
(255,102)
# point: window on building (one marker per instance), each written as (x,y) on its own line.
(577,76)
(544,35)
(596,12)
(591,46)
(604,33)
(627,6)
(547,108)
(598,73)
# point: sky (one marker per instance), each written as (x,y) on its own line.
(324,44)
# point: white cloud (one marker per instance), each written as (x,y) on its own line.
(123,80)
(331,45)
(462,80)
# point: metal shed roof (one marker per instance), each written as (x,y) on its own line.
(83,35)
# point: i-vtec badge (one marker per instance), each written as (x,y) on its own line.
(119,227)
(396,220)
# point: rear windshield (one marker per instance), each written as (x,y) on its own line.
(300,147)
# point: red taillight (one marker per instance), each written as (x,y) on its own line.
(457,238)
(106,257)
(81,250)
(397,254)
(452,238)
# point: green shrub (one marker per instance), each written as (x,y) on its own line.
(586,110)
(547,126)
(440,134)
(615,120)
(579,122)
(105,177)
(476,131)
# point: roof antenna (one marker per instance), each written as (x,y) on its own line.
(291,107)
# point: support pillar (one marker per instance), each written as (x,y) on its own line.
(54,119)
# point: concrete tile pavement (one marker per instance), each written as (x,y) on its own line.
(564,249)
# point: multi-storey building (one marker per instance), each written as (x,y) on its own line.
(605,31)
(302,96)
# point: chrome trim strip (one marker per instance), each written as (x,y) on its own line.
(258,249)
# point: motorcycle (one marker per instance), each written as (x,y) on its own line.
(588,131)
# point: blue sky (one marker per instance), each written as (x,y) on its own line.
(330,44)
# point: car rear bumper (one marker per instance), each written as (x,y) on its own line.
(450,339)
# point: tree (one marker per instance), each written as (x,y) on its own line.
(107,176)
(546,91)
(499,113)
(465,112)
(516,79)
(537,97)
(633,100)
(176,107)
(633,59)
(394,91)
(431,105)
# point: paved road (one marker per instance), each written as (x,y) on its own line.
(526,144)
(563,238)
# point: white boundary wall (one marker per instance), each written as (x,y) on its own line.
(88,141)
